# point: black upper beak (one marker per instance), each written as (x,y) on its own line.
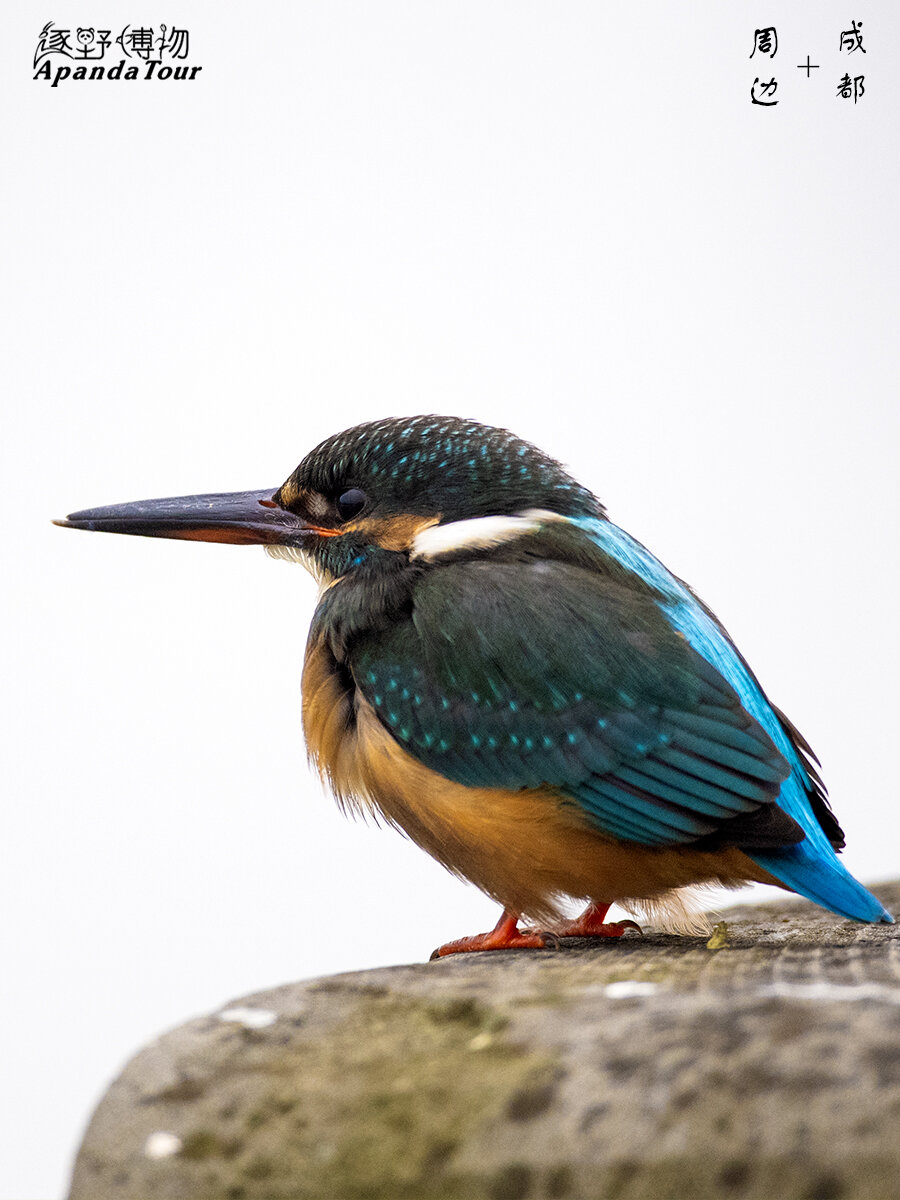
(242,518)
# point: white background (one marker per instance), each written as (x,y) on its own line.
(564,218)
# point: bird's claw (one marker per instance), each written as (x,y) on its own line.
(505,936)
(591,924)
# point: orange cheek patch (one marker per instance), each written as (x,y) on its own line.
(393,533)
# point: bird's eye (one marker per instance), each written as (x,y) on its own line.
(350,503)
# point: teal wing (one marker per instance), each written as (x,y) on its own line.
(520,675)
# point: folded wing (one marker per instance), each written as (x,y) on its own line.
(519,675)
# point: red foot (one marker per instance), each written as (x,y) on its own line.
(591,924)
(505,935)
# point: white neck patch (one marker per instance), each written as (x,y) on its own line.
(478,533)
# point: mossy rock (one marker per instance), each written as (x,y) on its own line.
(761,1063)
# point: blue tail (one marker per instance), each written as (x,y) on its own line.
(810,873)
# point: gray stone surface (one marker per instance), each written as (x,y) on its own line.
(645,1069)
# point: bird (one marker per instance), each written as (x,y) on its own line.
(504,675)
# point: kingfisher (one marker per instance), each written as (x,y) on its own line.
(514,682)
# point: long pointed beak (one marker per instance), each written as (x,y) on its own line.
(241,518)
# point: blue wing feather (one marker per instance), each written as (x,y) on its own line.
(811,868)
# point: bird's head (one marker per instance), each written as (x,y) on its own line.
(413,486)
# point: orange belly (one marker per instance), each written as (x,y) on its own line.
(527,848)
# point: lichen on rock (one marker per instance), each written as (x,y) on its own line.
(634,1070)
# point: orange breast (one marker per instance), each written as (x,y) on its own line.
(526,848)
